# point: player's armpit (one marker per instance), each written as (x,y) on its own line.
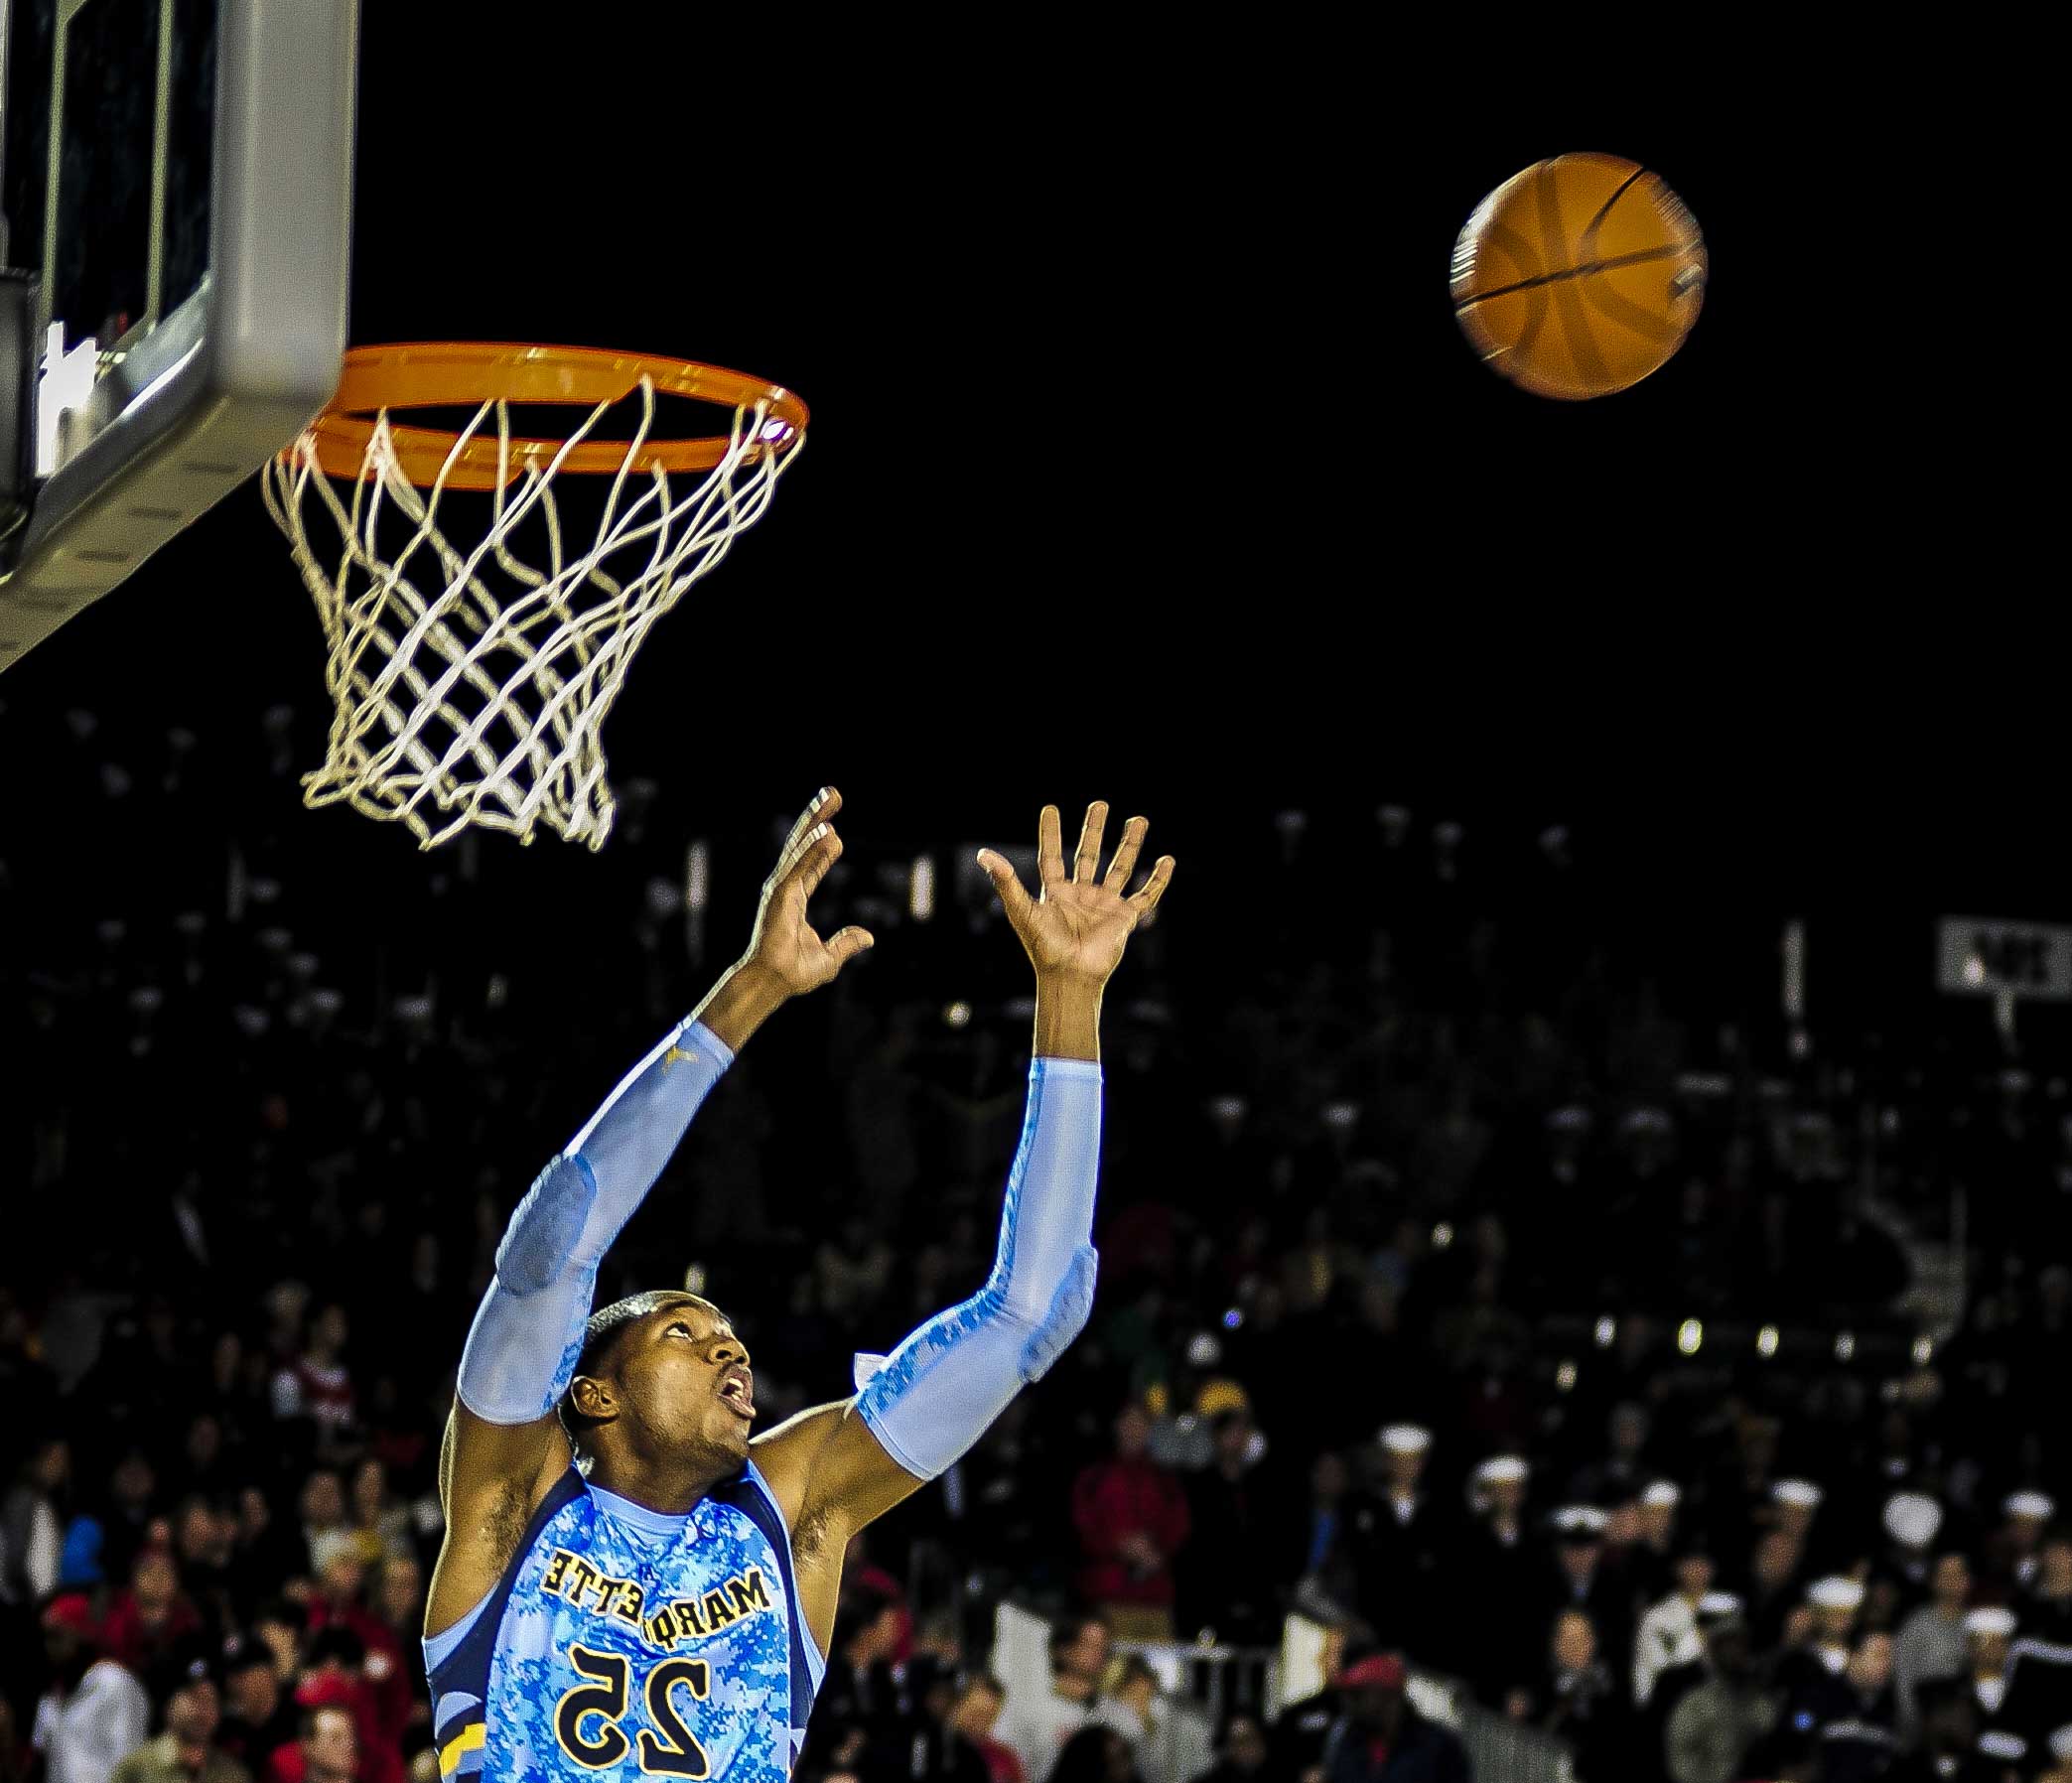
(492,1479)
(831,1477)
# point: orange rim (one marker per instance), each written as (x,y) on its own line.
(455,373)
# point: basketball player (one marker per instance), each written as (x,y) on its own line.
(628,1584)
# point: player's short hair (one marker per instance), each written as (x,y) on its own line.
(600,1335)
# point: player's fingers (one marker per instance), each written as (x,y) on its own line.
(1124,861)
(1050,848)
(1012,899)
(845,944)
(826,802)
(1147,901)
(822,850)
(1086,864)
(811,862)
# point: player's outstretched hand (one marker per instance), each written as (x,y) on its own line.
(1078,922)
(785,946)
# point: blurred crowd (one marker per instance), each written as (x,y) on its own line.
(1469,1284)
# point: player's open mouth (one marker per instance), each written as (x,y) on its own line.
(738,1391)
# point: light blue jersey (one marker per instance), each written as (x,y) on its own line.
(625,1642)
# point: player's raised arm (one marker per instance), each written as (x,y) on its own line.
(836,1468)
(504,1443)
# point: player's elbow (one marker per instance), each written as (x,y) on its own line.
(1071,1305)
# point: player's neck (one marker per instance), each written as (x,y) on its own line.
(672,1487)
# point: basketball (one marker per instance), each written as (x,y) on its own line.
(1578,276)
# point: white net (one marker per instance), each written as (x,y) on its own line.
(469,685)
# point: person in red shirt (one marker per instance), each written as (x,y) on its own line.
(1131,1518)
(397,1681)
(327,1752)
(335,1679)
(976,1716)
(150,1615)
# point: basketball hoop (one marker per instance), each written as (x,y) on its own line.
(468,683)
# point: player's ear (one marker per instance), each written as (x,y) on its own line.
(593,1399)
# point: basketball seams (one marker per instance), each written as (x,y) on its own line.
(1518,252)
(1573,284)
(1636,258)
(1575,325)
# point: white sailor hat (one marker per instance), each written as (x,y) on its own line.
(1644,1120)
(1584,1520)
(1574,1118)
(1501,1470)
(1992,1619)
(1663,1494)
(1913,1518)
(1835,1593)
(1405,1438)
(2010,1746)
(1715,1606)
(2040,1505)
(1802,1492)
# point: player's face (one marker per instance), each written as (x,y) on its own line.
(691,1378)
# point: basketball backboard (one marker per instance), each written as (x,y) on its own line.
(177,198)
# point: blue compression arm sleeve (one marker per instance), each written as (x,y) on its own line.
(528,1331)
(933,1397)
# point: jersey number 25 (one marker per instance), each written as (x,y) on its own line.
(585,1721)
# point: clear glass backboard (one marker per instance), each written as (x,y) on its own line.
(175,225)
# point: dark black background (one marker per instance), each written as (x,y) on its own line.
(1146,460)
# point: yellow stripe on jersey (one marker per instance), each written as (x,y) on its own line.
(469,1739)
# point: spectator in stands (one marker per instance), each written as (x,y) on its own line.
(2041,1695)
(1131,1519)
(150,1615)
(380,1526)
(1711,1731)
(32,1523)
(1582,1578)
(316,1386)
(866,1689)
(188,1750)
(1669,1634)
(1494,1567)
(1775,1597)
(395,1674)
(1318,1547)
(1401,1544)
(127,1512)
(1623,1474)
(259,1714)
(94,1712)
(1582,1704)
(202,1554)
(1129,1703)
(1858,1721)
(1930,1642)
(1300,1729)
(2011,1552)
(1948,1753)
(1095,1754)
(1652,1552)
(1037,1730)
(1989,1634)
(936,1746)
(1241,1751)
(975,1717)
(1379,1737)
(1225,1575)
(327,1752)
(322,1514)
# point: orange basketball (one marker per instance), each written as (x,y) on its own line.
(1578,276)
